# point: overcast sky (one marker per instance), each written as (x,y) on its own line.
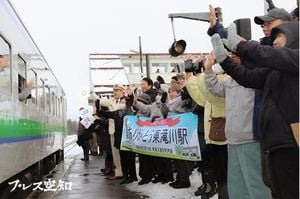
(66,31)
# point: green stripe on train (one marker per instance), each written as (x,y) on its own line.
(16,127)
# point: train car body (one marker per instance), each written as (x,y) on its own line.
(33,129)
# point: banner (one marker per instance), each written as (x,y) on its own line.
(174,137)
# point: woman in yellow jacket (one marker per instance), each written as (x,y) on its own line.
(215,154)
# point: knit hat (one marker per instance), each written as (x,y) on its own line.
(144,98)
(160,91)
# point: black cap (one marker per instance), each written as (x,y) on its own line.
(273,14)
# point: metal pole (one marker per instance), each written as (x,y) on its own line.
(141,59)
(147,66)
(173,29)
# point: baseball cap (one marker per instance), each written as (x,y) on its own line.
(118,87)
(273,14)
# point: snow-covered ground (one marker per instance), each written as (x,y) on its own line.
(164,191)
(154,191)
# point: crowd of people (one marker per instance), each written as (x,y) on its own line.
(253,85)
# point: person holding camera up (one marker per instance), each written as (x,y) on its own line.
(279,113)
(273,18)
(244,169)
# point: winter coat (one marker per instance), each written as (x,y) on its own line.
(218,28)
(213,106)
(101,129)
(151,93)
(239,107)
(118,117)
(83,133)
(112,105)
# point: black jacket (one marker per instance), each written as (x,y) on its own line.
(118,117)
(151,92)
(280,79)
(83,133)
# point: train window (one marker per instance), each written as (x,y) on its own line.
(41,96)
(52,104)
(31,74)
(63,106)
(21,75)
(48,104)
(56,106)
(59,107)
(5,67)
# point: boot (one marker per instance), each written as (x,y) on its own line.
(144,181)
(180,184)
(157,179)
(208,188)
(201,190)
(211,190)
(130,180)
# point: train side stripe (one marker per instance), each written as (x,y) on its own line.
(18,128)
(20,139)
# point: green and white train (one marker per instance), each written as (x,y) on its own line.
(31,131)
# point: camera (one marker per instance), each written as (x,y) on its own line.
(243,28)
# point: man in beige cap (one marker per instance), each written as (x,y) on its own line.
(114,104)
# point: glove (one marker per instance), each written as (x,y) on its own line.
(188,66)
(154,118)
(164,109)
(233,39)
(97,104)
(164,97)
(219,50)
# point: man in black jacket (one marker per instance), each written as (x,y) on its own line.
(84,136)
(273,18)
(280,100)
(147,88)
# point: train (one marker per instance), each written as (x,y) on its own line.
(32,131)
